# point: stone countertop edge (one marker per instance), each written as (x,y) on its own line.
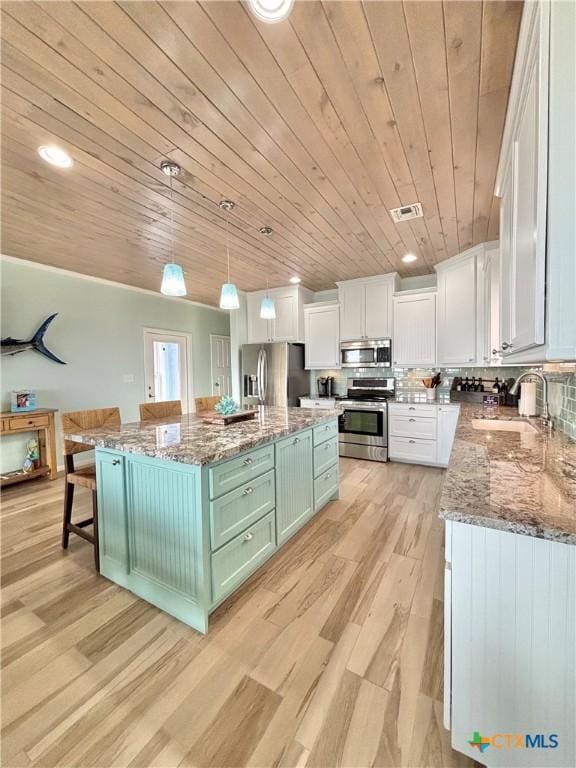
(483,484)
(197,443)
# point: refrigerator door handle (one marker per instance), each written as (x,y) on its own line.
(259,375)
(264,375)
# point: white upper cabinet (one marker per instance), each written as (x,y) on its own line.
(322,335)
(258,329)
(289,322)
(457,307)
(535,182)
(366,307)
(414,340)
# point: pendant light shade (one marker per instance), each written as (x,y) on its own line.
(173,281)
(229,293)
(172,275)
(229,297)
(267,309)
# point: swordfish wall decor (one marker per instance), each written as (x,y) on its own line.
(12,346)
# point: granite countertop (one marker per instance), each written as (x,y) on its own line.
(189,440)
(522,482)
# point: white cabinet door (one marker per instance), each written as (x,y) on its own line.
(506,208)
(457,312)
(447,421)
(378,310)
(351,311)
(285,326)
(414,340)
(321,336)
(258,329)
(528,251)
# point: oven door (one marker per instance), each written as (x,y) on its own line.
(362,425)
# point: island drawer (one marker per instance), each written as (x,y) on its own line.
(325,455)
(325,432)
(235,561)
(232,513)
(412,409)
(413,450)
(423,427)
(239,470)
(325,486)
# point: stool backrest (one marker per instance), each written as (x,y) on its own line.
(82,420)
(150,411)
(207,403)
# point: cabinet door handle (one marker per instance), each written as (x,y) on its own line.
(506,345)
(494,352)
(248,490)
(470,359)
(296,440)
(248,460)
(115,462)
(248,537)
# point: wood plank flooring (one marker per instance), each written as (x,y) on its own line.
(330,656)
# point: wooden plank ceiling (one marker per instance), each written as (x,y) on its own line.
(315,127)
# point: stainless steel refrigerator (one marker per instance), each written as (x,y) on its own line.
(273,374)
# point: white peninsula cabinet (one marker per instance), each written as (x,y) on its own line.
(422,433)
(366,307)
(322,335)
(289,322)
(535,182)
(510,645)
(414,319)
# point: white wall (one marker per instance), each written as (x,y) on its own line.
(99,333)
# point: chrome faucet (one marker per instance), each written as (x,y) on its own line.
(539,375)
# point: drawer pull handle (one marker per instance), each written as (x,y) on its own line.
(296,439)
(411,408)
(326,428)
(411,441)
(248,537)
(248,490)
(248,461)
(115,462)
(411,419)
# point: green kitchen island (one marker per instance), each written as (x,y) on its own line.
(187,511)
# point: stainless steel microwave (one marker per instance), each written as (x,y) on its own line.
(366,353)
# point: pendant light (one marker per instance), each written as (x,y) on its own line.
(173,275)
(267,307)
(229,294)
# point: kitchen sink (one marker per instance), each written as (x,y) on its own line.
(503,425)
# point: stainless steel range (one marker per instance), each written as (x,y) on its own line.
(363,422)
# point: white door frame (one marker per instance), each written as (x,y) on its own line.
(187,339)
(219,336)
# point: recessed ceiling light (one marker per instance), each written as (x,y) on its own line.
(55,156)
(409,258)
(271,11)
(295,280)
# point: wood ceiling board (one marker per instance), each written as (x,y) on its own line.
(315,127)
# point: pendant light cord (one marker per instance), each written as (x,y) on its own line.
(171,220)
(228,241)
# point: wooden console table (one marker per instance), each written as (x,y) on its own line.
(42,421)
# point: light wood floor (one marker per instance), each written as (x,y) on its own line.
(330,656)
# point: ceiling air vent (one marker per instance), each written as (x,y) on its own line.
(406,212)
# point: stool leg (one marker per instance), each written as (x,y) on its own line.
(68,501)
(95,530)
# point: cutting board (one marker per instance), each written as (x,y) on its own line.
(213,417)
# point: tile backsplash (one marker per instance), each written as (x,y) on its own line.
(561,390)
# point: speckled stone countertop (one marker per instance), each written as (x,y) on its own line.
(522,482)
(189,440)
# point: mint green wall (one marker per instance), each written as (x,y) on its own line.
(99,332)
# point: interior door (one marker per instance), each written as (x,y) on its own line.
(221,365)
(166,367)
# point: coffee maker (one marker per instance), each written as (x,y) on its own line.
(325,386)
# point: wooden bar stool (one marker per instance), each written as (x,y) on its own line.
(151,411)
(86,476)
(206,403)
